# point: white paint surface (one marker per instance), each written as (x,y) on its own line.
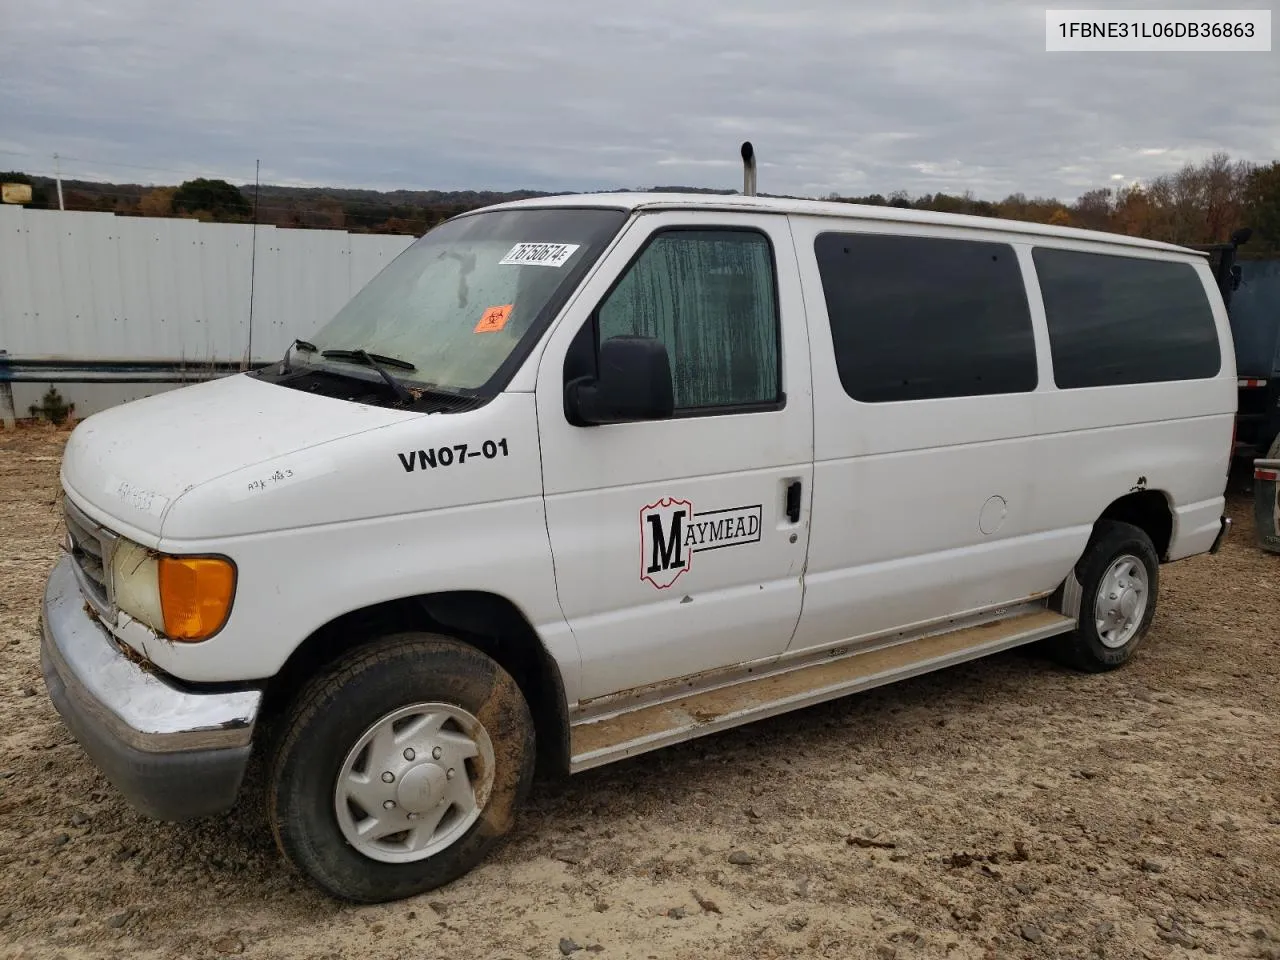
(314,500)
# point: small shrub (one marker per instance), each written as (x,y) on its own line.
(52,407)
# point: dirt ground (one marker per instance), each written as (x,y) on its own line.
(1008,808)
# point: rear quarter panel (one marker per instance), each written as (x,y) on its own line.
(1095,444)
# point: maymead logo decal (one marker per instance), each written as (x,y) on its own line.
(671,532)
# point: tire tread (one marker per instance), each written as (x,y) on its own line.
(1079,649)
(319,695)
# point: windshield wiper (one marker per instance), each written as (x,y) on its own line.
(376,362)
(365,357)
(306,345)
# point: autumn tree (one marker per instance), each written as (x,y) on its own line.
(1224,184)
(1016,206)
(216,197)
(323,212)
(84,200)
(1133,212)
(1092,210)
(157,202)
(1201,203)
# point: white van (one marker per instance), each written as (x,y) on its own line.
(576,478)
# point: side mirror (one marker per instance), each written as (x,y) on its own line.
(633,382)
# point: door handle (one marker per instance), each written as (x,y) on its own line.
(793,501)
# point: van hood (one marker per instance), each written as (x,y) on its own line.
(130,463)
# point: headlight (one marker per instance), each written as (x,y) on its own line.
(185,598)
(135,578)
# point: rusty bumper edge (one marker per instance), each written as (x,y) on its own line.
(174,753)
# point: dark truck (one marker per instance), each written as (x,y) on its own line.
(1251,292)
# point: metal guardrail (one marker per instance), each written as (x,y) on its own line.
(53,370)
(70,370)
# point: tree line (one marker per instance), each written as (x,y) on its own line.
(1201,203)
(360,211)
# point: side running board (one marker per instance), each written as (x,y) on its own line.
(603,739)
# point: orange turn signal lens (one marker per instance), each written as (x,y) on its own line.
(195,595)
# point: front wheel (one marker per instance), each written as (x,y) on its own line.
(399,768)
(1119,579)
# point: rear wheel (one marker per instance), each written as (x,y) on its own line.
(1119,580)
(398,769)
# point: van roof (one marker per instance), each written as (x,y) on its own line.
(826,208)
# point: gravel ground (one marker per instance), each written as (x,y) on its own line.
(1007,808)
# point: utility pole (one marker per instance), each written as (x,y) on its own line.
(57,176)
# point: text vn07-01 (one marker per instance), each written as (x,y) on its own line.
(458,453)
(1158,31)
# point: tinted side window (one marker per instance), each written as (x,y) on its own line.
(914,318)
(709,296)
(1125,320)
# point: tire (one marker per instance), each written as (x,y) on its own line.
(425,677)
(1088,648)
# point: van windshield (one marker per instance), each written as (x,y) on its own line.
(467,296)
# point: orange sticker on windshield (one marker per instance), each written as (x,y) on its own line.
(494,319)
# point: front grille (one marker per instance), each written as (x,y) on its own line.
(91,546)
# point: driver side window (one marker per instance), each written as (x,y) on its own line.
(710,297)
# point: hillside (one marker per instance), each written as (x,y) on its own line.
(358,210)
(1201,203)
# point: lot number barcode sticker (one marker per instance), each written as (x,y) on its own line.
(540,254)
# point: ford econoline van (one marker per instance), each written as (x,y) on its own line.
(577,478)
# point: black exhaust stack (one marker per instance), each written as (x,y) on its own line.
(748,170)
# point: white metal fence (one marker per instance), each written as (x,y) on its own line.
(95,287)
(109,307)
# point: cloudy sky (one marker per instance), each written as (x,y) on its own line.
(848,96)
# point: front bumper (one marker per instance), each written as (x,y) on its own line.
(174,753)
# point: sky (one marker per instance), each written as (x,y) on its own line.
(838,96)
